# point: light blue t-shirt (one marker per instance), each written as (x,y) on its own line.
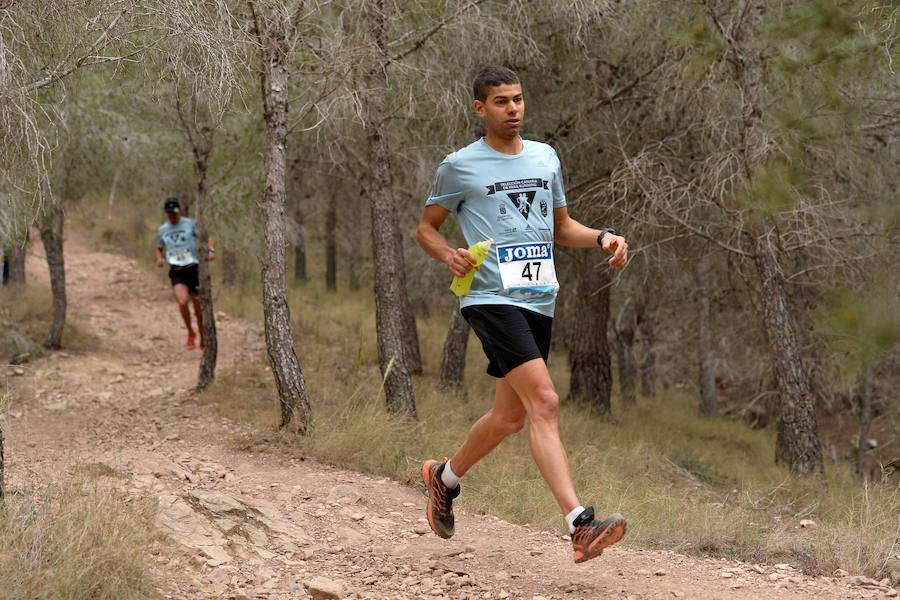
(179,242)
(510,199)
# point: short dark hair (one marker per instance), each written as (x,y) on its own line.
(492,77)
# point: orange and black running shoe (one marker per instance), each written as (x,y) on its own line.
(591,536)
(440,499)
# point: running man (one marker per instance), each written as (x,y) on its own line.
(510,190)
(176,245)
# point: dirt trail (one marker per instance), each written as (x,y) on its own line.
(267,524)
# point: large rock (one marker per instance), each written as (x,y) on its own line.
(343,494)
(321,588)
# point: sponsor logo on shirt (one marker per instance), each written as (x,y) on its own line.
(536,251)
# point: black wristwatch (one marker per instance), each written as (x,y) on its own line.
(603,232)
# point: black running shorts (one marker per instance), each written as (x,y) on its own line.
(509,335)
(188,276)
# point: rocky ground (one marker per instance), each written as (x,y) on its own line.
(263,522)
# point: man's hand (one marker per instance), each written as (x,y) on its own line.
(160,263)
(211,255)
(615,245)
(460,262)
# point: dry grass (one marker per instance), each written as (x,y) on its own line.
(79,541)
(25,316)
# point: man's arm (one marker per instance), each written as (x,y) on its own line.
(459,260)
(569,232)
(210,244)
(160,260)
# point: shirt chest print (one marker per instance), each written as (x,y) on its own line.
(522,197)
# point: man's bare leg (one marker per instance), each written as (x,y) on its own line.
(531,382)
(505,418)
(182,295)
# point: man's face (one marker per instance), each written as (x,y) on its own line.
(503,110)
(172,217)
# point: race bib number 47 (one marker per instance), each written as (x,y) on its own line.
(528,267)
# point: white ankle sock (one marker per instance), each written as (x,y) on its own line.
(570,518)
(449,478)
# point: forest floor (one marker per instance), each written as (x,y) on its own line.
(246,520)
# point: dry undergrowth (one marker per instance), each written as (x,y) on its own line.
(75,540)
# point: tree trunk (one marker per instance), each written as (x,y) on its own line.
(16,263)
(589,356)
(331,245)
(51,227)
(356,248)
(453,357)
(647,336)
(408,322)
(292,392)
(300,273)
(865,420)
(624,348)
(797,444)
(207,372)
(229,265)
(709,398)
(389,275)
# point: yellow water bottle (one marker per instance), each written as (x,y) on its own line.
(460,285)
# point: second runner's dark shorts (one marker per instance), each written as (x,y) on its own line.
(509,335)
(188,276)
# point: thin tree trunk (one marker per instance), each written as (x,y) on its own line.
(229,265)
(356,248)
(408,322)
(300,273)
(292,392)
(331,245)
(453,357)
(797,444)
(207,372)
(589,354)
(16,264)
(51,228)
(624,348)
(389,274)
(709,399)
(647,336)
(865,421)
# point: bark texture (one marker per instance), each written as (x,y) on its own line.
(589,353)
(51,227)
(207,372)
(453,357)
(389,273)
(331,246)
(797,444)
(292,394)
